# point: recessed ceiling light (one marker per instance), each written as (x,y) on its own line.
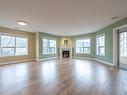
(22,23)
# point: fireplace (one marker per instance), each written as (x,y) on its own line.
(65,54)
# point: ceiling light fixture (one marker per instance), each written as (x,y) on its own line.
(22,23)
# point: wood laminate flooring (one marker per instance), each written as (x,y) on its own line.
(62,77)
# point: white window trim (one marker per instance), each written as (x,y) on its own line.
(103,34)
(49,38)
(83,39)
(14,35)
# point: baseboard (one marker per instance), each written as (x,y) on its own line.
(110,64)
(12,62)
(83,58)
(55,58)
(47,59)
(93,59)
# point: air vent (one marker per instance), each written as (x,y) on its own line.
(115,17)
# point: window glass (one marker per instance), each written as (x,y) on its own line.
(21,42)
(123,44)
(7,41)
(49,46)
(13,45)
(83,46)
(100,44)
(7,51)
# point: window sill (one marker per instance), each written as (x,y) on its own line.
(50,54)
(101,55)
(14,55)
(83,53)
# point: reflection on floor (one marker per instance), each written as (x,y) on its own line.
(62,77)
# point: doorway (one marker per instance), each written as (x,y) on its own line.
(122,49)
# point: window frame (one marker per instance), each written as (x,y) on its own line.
(100,35)
(83,47)
(13,35)
(49,38)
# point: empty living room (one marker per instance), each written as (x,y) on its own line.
(63,47)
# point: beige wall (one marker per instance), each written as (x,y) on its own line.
(31,45)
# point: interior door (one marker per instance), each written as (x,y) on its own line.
(123,49)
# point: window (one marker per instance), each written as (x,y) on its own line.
(123,44)
(12,45)
(21,46)
(100,43)
(83,46)
(49,46)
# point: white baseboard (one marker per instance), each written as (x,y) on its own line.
(47,59)
(84,58)
(56,58)
(12,62)
(110,64)
(104,62)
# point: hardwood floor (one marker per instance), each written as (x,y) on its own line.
(62,77)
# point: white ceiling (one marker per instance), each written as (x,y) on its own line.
(61,17)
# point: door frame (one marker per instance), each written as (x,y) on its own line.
(116,44)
